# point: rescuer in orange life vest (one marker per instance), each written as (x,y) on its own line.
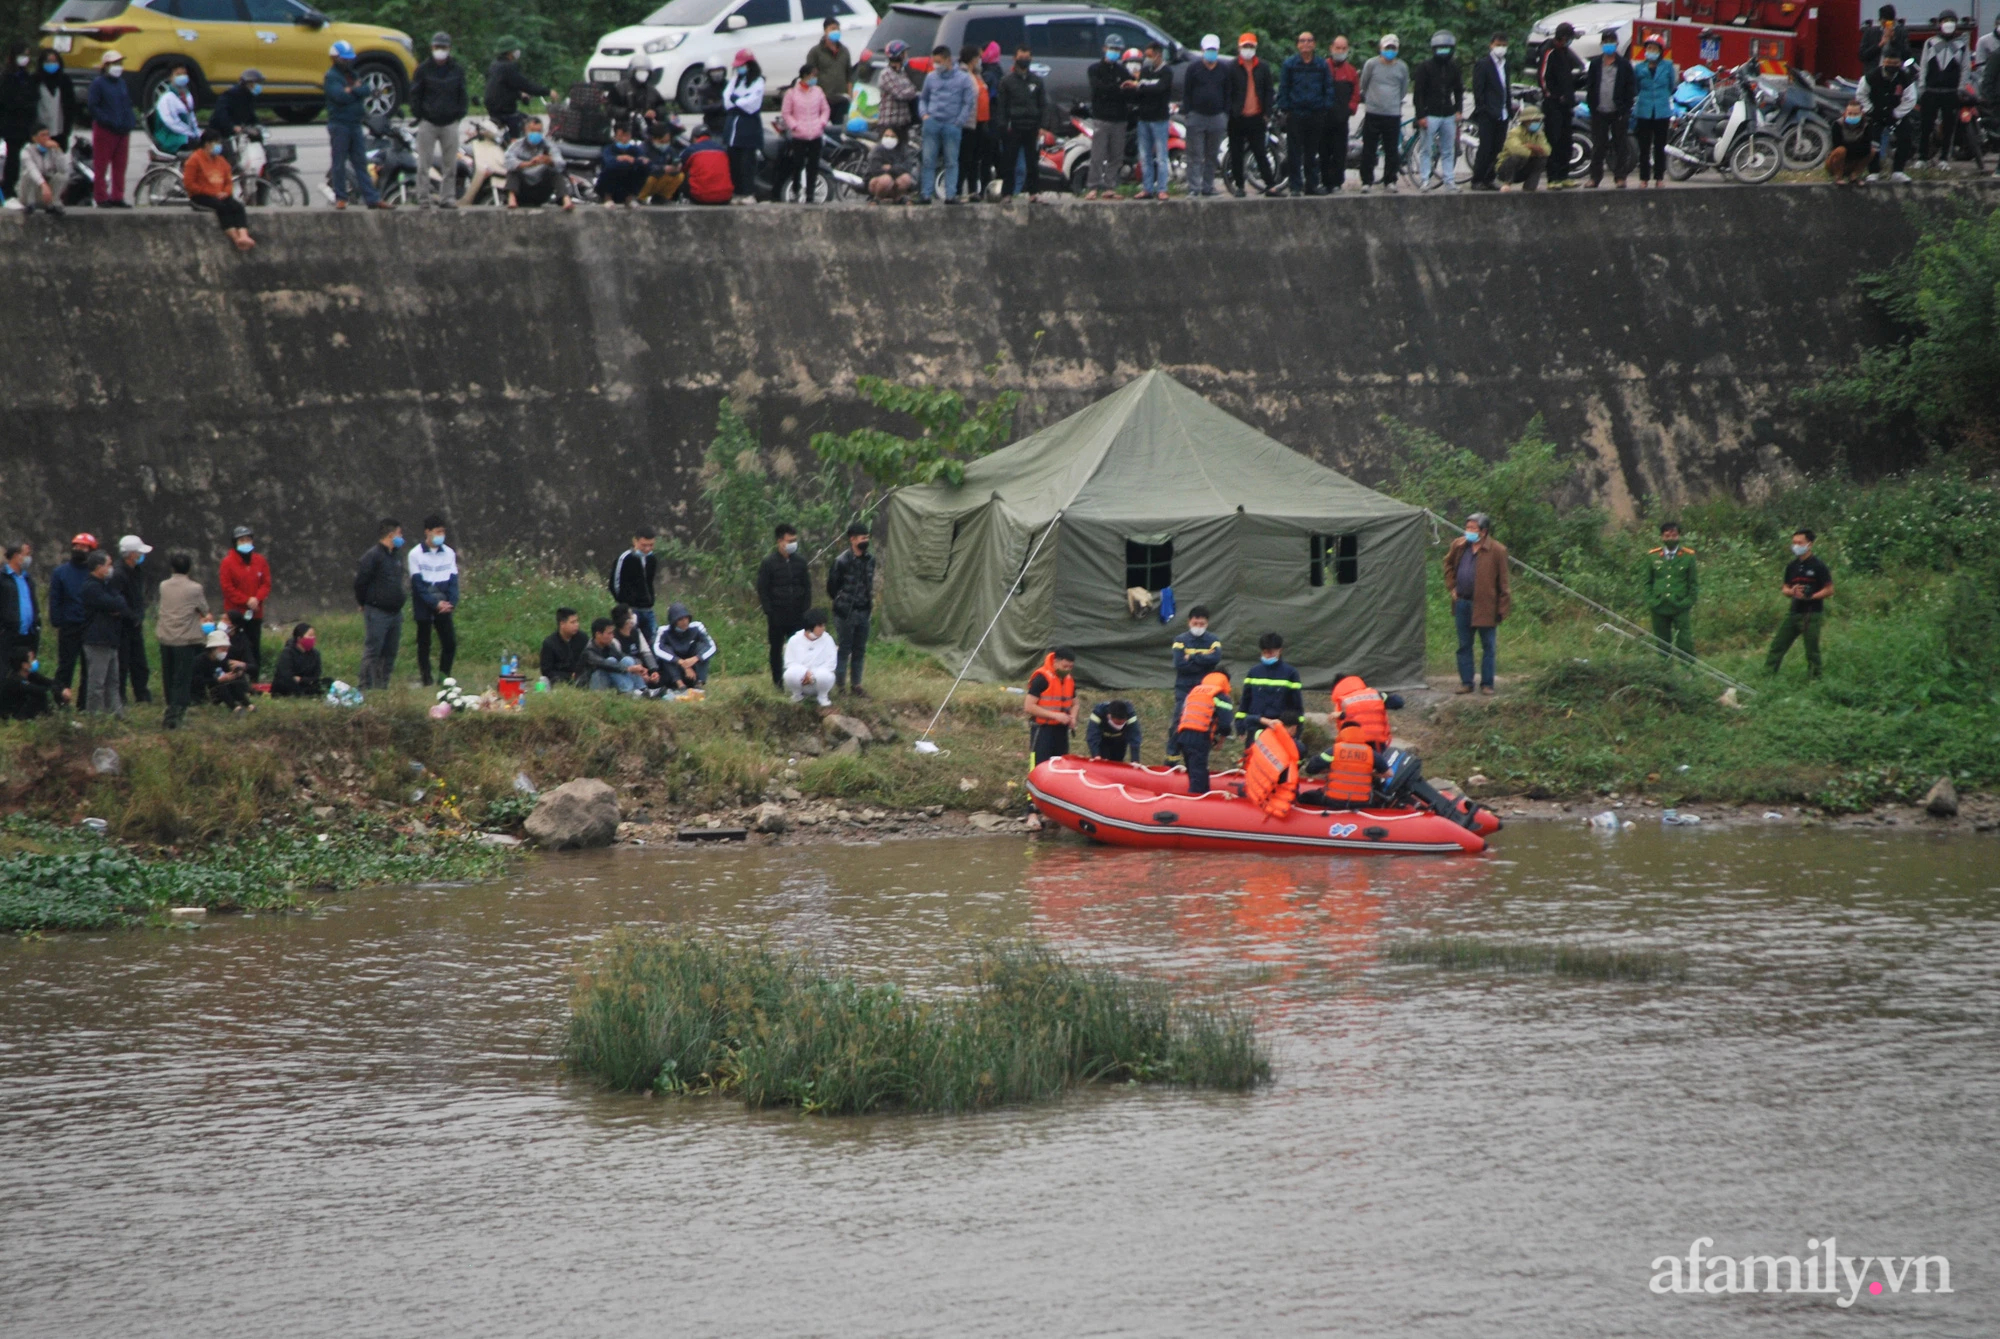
(1051,706)
(1206,716)
(1355,764)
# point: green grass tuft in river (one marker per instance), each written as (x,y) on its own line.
(1467,953)
(676,1015)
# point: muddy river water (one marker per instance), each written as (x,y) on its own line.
(351,1123)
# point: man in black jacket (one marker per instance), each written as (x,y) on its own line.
(1018,109)
(380,589)
(1110,109)
(634,100)
(236,108)
(632,578)
(1609,87)
(1492,110)
(1250,100)
(1561,76)
(24,692)
(784,590)
(1437,94)
(438,101)
(1304,96)
(850,584)
(134,677)
(103,637)
(562,650)
(507,85)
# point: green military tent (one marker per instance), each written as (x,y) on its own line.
(1155,487)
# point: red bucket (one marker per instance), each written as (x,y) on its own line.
(510,688)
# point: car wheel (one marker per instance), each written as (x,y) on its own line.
(299,116)
(381,88)
(687,93)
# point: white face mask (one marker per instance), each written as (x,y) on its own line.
(115,71)
(888,141)
(791,545)
(1247,52)
(1499,53)
(1197,629)
(1800,550)
(22,60)
(440,54)
(1947,28)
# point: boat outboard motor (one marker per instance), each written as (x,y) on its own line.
(1403,778)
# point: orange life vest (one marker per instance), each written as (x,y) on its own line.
(1351,778)
(1060,695)
(1199,712)
(1271,771)
(1356,704)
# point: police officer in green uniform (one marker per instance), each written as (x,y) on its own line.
(1668,582)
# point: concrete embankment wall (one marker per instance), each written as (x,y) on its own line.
(548,381)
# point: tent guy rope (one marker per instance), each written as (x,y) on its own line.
(1012,591)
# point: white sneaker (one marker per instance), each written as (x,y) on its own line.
(11,204)
(1900,177)
(1451,186)
(1874,176)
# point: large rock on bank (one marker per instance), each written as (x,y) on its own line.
(576,814)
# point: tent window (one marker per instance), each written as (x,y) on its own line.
(932,558)
(1149,562)
(1337,552)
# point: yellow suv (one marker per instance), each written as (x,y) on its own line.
(284,40)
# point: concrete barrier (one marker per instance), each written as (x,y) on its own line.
(548,381)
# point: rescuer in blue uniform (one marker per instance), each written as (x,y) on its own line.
(1113,732)
(1271,693)
(1196,656)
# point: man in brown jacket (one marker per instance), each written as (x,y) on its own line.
(1475,572)
(183,609)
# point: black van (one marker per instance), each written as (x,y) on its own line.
(1065,39)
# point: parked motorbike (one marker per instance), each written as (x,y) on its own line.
(482,163)
(391,150)
(1732,141)
(82,188)
(1805,132)
(1076,157)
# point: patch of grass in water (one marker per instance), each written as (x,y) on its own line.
(675,1015)
(1467,953)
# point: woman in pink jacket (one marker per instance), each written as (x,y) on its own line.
(806,114)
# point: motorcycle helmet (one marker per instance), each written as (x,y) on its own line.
(641,68)
(341,50)
(857,125)
(895,49)
(1132,53)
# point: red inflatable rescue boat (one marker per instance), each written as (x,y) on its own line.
(1128,804)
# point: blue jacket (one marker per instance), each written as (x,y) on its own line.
(343,104)
(1269,690)
(1654,100)
(952,98)
(1100,729)
(1194,658)
(66,585)
(1307,85)
(612,151)
(110,103)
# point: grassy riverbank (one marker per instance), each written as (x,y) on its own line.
(651,1013)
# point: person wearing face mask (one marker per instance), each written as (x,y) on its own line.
(1385,82)
(1110,109)
(1152,91)
(434,599)
(1525,155)
(891,170)
(683,649)
(1197,654)
(236,108)
(66,612)
(1561,77)
(112,121)
(1850,159)
(508,86)
(1250,100)
(807,114)
(1492,112)
(25,692)
(380,591)
(1653,82)
(535,170)
(1609,88)
(949,105)
(1113,733)
(438,100)
(1888,94)
(298,672)
(1668,586)
(1271,694)
(833,65)
(1946,65)
(706,164)
(1437,91)
(809,657)
(899,94)
(183,608)
(129,580)
(850,585)
(1305,93)
(346,106)
(784,589)
(107,617)
(209,182)
(44,173)
(245,578)
(973,160)
(173,124)
(1205,113)
(634,99)
(1808,582)
(621,170)
(1019,107)
(1339,115)
(1482,595)
(1983,56)
(20,100)
(1204,717)
(743,128)
(20,612)
(222,678)
(55,98)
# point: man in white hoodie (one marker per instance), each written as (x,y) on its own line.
(809,660)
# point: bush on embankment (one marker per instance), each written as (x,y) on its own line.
(672,1015)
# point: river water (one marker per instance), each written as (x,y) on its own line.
(350,1122)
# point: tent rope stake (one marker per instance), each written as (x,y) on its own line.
(1630,629)
(1011,592)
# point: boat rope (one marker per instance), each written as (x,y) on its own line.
(1012,591)
(1628,629)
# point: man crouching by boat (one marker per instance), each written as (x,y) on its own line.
(1206,716)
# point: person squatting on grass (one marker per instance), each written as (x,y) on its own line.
(810,658)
